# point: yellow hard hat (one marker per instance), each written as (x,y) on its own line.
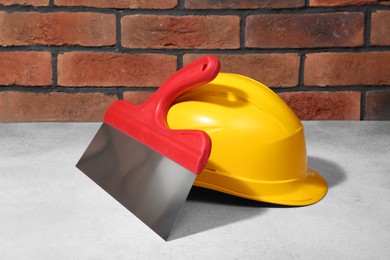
(258,144)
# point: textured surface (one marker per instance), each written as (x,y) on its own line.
(186,32)
(21,68)
(380,28)
(242,4)
(85,29)
(343,2)
(50,210)
(336,50)
(25,2)
(53,106)
(131,4)
(377,105)
(308,30)
(327,69)
(113,69)
(324,105)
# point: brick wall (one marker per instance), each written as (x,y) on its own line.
(67,60)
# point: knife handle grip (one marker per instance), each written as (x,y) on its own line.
(197,73)
(147,122)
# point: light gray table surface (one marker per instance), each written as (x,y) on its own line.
(50,210)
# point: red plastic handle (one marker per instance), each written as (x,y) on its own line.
(147,123)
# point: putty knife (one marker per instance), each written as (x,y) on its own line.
(143,164)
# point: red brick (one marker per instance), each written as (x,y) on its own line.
(274,70)
(380,28)
(114,69)
(129,4)
(305,30)
(324,105)
(137,97)
(25,68)
(243,4)
(54,106)
(343,2)
(25,2)
(377,105)
(85,29)
(345,69)
(176,32)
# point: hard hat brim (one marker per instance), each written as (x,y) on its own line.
(298,192)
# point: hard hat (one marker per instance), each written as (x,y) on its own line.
(258,144)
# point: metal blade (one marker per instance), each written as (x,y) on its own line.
(151,186)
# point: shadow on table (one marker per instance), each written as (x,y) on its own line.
(207,209)
(331,172)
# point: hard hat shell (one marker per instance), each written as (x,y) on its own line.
(258,144)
